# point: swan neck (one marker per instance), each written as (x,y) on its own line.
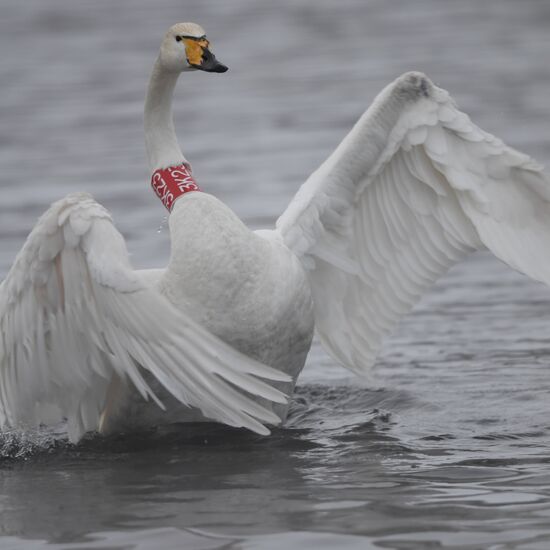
(161,142)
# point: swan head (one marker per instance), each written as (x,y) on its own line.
(185,47)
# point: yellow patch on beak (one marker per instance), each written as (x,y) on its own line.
(194,50)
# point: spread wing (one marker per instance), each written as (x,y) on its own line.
(73,313)
(413,187)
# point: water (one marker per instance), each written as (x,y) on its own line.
(448,445)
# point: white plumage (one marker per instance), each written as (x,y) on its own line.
(74,314)
(413,188)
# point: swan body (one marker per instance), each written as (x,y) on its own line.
(227,276)
(223,332)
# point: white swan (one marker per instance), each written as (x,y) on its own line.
(413,188)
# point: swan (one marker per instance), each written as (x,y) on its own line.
(223,331)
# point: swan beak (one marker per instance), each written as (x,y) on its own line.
(210,64)
(200,57)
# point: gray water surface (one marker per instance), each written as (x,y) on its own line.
(448,446)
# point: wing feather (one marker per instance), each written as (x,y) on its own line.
(73,313)
(413,188)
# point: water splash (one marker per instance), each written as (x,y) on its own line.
(18,445)
(163,224)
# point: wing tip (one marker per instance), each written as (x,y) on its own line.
(264,430)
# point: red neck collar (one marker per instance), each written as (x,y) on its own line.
(172,182)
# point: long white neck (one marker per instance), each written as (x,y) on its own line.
(161,142)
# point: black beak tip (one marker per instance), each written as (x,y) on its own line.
(220,68)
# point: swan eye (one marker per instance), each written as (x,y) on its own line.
(179,38)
